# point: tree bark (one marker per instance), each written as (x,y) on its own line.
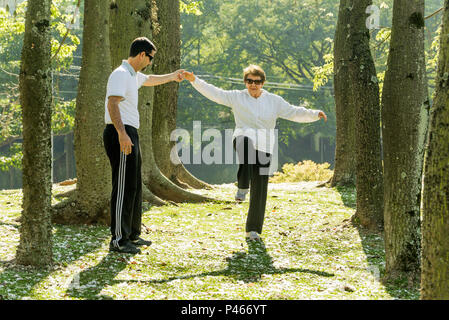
(435,214)
(345,160)
(367,118)
(35,247)
(404,124)
(91,201)
(168,59)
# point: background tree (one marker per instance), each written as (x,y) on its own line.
(90,202)
(435,215)
(35,246)
(129,20)
(365,88)
(405,108)
(168,59)
(345,160)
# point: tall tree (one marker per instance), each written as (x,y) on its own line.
(345,160)
(129,20)
(168,59)
(404,124)
(435,214)
(35,247)
(367,121)
(90,202)
(167,40)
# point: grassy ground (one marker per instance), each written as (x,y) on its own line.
(310,250)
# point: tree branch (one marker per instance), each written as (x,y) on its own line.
(432,14)
(68,30)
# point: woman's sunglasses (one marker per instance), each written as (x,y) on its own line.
(251,81)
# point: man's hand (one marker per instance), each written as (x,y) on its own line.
(322,115)
(189,76)
(178,75)
(125,143)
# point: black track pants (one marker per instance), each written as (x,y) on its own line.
(253,173)
(126,196)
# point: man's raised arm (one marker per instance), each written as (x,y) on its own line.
(155,80)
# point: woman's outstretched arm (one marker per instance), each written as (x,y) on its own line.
(220,96)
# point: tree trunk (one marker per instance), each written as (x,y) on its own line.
(345,160)
(168,57)
(152,177)
(35,247)
(129,20)
(367,114)
(91,203)
(435,214)
(404,124)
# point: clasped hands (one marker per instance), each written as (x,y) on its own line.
(182,74)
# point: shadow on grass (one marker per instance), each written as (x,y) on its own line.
(89,283)
(347,194)
(17,281)
(374,249)
(247,267)
(9,225)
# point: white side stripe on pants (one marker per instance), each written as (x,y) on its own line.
(119,203)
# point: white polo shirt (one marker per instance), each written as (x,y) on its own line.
(256,118)
(125,82)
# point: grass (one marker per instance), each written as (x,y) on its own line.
(310,250)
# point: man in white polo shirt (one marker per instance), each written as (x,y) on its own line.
(121,141)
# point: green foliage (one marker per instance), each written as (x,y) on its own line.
(11,127)
(191,7)
(12,30)
(60,19)
(11,120)
(13,158)
(323,73)
(287,38)
(303,171)
(63,117)
(432,59)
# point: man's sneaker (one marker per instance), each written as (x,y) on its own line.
(140,242)
(127,247)
(241,195)
(253,236)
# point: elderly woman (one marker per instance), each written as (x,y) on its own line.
(255,113)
